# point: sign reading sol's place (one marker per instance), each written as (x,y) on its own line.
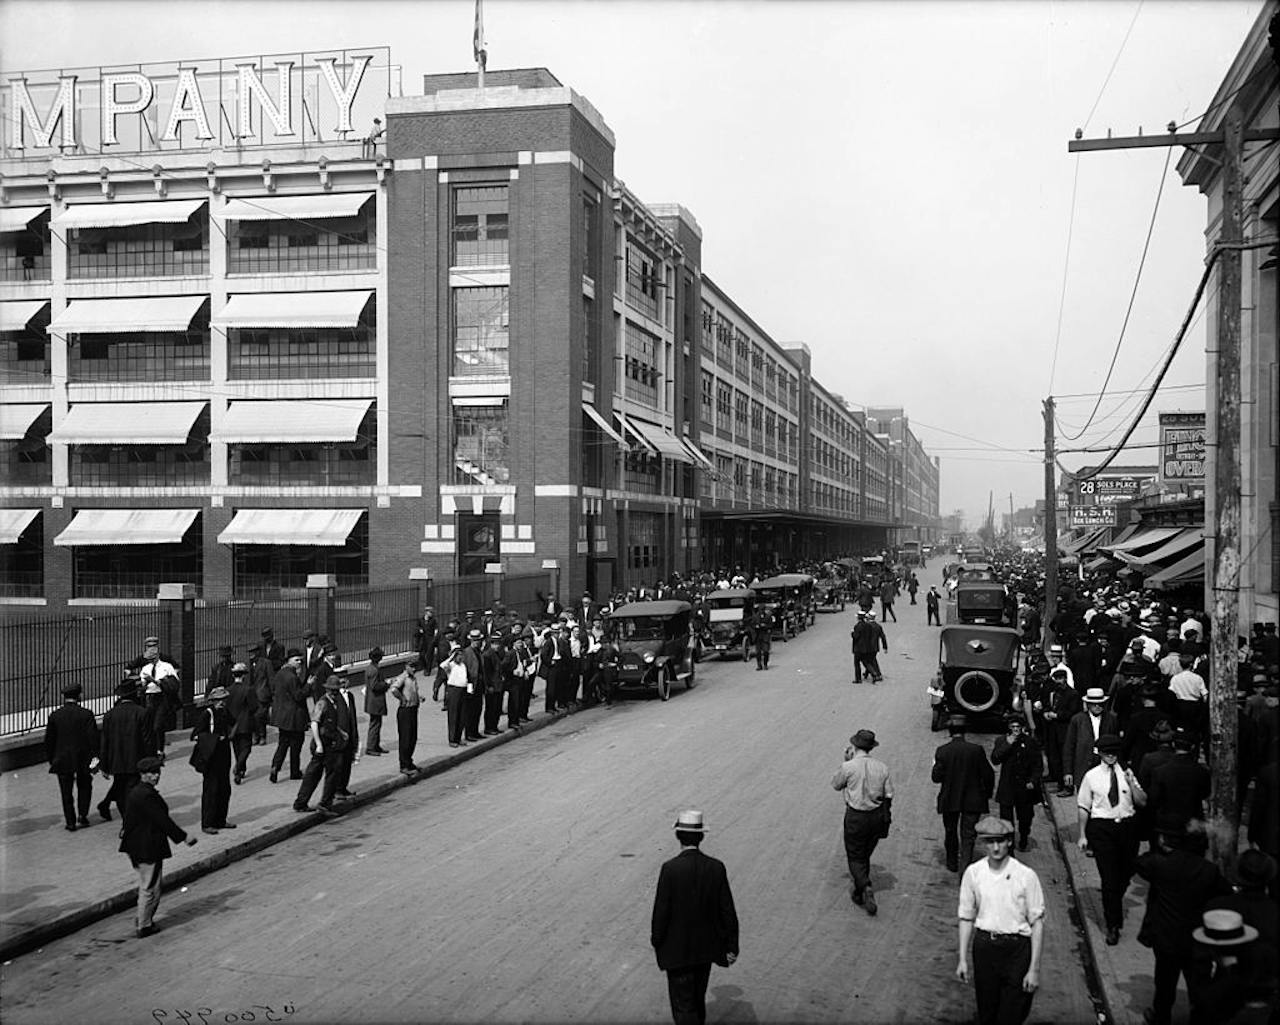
(290,99)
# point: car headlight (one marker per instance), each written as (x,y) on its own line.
(648,656)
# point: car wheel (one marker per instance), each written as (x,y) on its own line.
(664,684)
(976,691)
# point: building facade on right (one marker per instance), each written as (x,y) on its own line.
(1251,86)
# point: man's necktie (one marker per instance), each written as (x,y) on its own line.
(1113,795)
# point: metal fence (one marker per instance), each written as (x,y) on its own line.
(41,656)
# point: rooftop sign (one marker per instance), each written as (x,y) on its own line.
(287,99)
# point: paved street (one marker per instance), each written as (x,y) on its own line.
(517,886)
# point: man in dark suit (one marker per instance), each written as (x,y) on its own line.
(1083,731)
(967,783)
(145,837)
(272,650)
(126,737)
(70,745)
(694,922)
(289,715)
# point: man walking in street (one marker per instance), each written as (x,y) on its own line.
(145,837)
(125,740)
(1002,913)
(694,922)
(289,715)
(70,746)
(868,799)
(967,783)
(932,602)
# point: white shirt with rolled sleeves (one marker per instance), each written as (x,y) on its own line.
(1008,901)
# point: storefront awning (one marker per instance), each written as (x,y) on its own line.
(172,313)
(298,421)
(293,309)
(291,527)
(605,426)
(660,440)
(1187,571)
(1141,539)
(128,423)
(15,316)
(16,418)
(293,208)
(120,215)
(100,527)
(16,218)
(698,455)
(13,522)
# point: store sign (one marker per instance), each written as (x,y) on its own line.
(1182,448)
(1093,516)
(193,104)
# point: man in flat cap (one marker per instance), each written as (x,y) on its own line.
(145,837)
(1002,914)
(694,921)
(868,800)
(71,745)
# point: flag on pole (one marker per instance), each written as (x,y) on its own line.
(477,39)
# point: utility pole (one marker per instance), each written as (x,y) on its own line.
(1225,572)
(1050,527)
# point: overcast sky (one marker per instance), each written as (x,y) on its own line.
(885,182)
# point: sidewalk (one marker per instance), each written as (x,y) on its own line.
(1124,972)
(53,882)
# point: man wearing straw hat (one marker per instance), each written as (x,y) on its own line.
(694,922)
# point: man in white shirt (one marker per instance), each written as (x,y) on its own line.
(868,798)
(1106,804)
(1002,913)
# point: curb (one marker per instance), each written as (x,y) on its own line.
(34,938)
(1102,993)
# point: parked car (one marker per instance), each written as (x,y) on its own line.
(984,602)
(655,645)
(727,627)
(977,673)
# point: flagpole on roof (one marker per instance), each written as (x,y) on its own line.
(478,45)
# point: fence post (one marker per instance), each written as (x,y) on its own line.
(179,600)
(321,609)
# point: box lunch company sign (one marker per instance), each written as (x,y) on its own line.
(1182,448)
(233,101)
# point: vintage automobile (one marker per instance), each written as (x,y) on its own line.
(977,673)
(984,603)
(655,645)
(830,594)
(727,626)
(792,600)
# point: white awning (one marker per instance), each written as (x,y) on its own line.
(661,439)
(16,218)
(299,421)
(15,316)
(13,522)
(16,418)
(127,527)
(120,215)
(124,316)
(128,423)
(1141,539)
(291,527)
(605,426)
(698,455)
(293,208)
(293,309)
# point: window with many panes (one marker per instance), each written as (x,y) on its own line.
(480,226)
(480,331)
(481,445)
(643,274)
(641,365)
